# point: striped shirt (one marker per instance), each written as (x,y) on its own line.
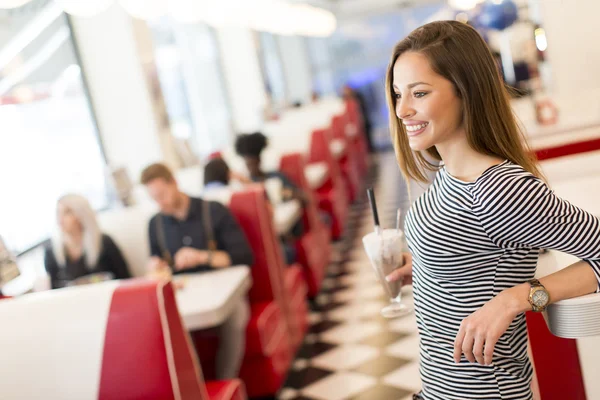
(470,241)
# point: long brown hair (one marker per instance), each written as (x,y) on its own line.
(458,53)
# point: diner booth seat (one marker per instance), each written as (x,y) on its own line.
(279,312)
(355,131)
(348,161)
(116,340)
(313,248)
(332,196)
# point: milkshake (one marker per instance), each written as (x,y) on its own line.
(384,249)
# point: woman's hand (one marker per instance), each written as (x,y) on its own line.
(403,272)
(480,331)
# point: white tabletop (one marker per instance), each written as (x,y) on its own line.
(207,299)
(316,174)
(286,215)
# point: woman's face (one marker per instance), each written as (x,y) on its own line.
(426,103)
(67,220)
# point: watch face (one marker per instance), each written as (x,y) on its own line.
(540,298)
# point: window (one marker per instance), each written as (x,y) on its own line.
(272,69)
(188,63)
(49,144)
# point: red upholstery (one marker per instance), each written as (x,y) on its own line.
(349,161)
(355,118)
(265,324)
(144,328)
(332,195)
(256,219)
(553,356)
(253,211)
(295,285)
(276,315)
(263,376)
(313,248)
(226,390)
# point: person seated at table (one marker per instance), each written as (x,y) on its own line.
(79,249)
(216,174)
(191,235)
(250,147)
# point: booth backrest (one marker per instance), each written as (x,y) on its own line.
(292,165)
(338,126)
(320,152)
(114,340)
(252,210)
(128,227)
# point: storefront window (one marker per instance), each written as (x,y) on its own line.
(49,143)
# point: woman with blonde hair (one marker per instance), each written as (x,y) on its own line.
(78,247)
(475,235)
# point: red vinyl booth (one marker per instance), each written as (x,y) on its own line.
(332,196)
(349,161)
(116,340)
(313,248)
(279,312)
(359,138)
(288,287)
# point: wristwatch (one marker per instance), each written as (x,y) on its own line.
(539,298)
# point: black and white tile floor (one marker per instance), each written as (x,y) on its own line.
(351,352)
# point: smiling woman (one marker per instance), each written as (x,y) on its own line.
(476,233)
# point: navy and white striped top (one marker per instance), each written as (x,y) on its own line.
(470,241)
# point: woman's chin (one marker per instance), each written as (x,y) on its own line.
(417,144)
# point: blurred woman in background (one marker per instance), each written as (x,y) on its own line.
(79,249)
(250,147)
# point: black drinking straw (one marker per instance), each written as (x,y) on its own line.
(371,195)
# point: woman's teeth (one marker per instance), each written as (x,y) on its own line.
(414,128)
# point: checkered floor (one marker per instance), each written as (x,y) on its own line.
(351,352)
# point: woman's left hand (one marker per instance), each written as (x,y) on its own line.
(480,331)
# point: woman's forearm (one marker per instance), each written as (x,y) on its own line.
(576,280)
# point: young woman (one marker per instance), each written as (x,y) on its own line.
(475,235)
(79,248)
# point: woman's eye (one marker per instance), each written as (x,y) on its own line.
(418,95)
(397,96)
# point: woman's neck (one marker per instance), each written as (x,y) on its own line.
(73,243)
(462,161)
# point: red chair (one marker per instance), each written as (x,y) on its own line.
(116,340)
(279,313)
(332,196)
(349,160)
(314,247)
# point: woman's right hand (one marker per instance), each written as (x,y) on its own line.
(403,272)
